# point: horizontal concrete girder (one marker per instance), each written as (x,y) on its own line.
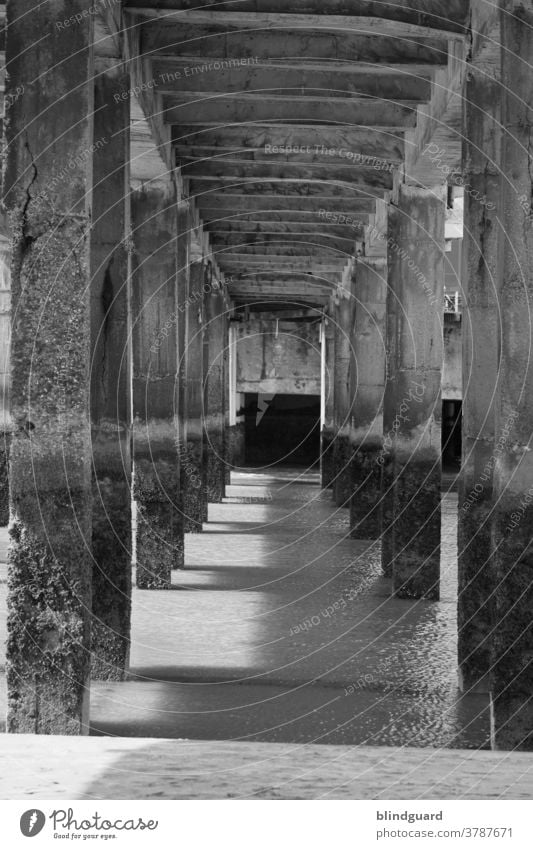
(323,110)
(306,220)
(212,43)
(285,203)
(234,169)
(380,143)
(277,227)
(262,79)
(282,187)
(311,242)
(422,12)
(361,24)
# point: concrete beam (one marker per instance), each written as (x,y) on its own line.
(207,45)
(361,24)
(256,137)
(222,168)
(316,82)
(240,109)
(421,12)
(283,203)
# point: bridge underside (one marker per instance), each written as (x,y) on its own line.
(173,174)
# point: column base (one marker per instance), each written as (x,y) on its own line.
(111,589)
(216,469)
(475,607)
(417,528)
(193,487)
(342,487)
(159,544)
(236,444)
(511,723)
(365,503)
(327,461)
(5,439)
(48,648)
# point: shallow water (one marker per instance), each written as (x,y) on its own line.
(281,628)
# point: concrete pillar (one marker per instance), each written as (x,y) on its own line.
(110,378)
(193,469)
(226,379)
(412,401)
(236,429)
(512,534)
(342,400)
(327,431)
(159,526)
(5,380)
(215,429)
(47,190)
(367,389)
(481,275)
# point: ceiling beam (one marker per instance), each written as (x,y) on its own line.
(272,228)
(255,186)
(236,170)
(295,203)
(305,220)
(241,109)
(361,24)
(424,12)
(210,44)
(279,246)
(254,137)
(262,79)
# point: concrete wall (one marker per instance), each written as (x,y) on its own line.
(286,362)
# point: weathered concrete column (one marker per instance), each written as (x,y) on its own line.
(47,191)
(328,383)
(482,260)
(226,379)
(512,633)
(215,429)
(342,399)
(367,390)
(236,428)
(412,403)
(193,469)
(159,526)
(110,377)
(5,378)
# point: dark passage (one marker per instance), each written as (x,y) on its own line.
(282,428)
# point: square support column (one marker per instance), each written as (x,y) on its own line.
(327,433)
(342,399)
(193,467)
(6,426)
(512,534)
(412,402)
(159,530)
(47,190)
(111,376)
(481,342)
(367,390)
(215,430)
